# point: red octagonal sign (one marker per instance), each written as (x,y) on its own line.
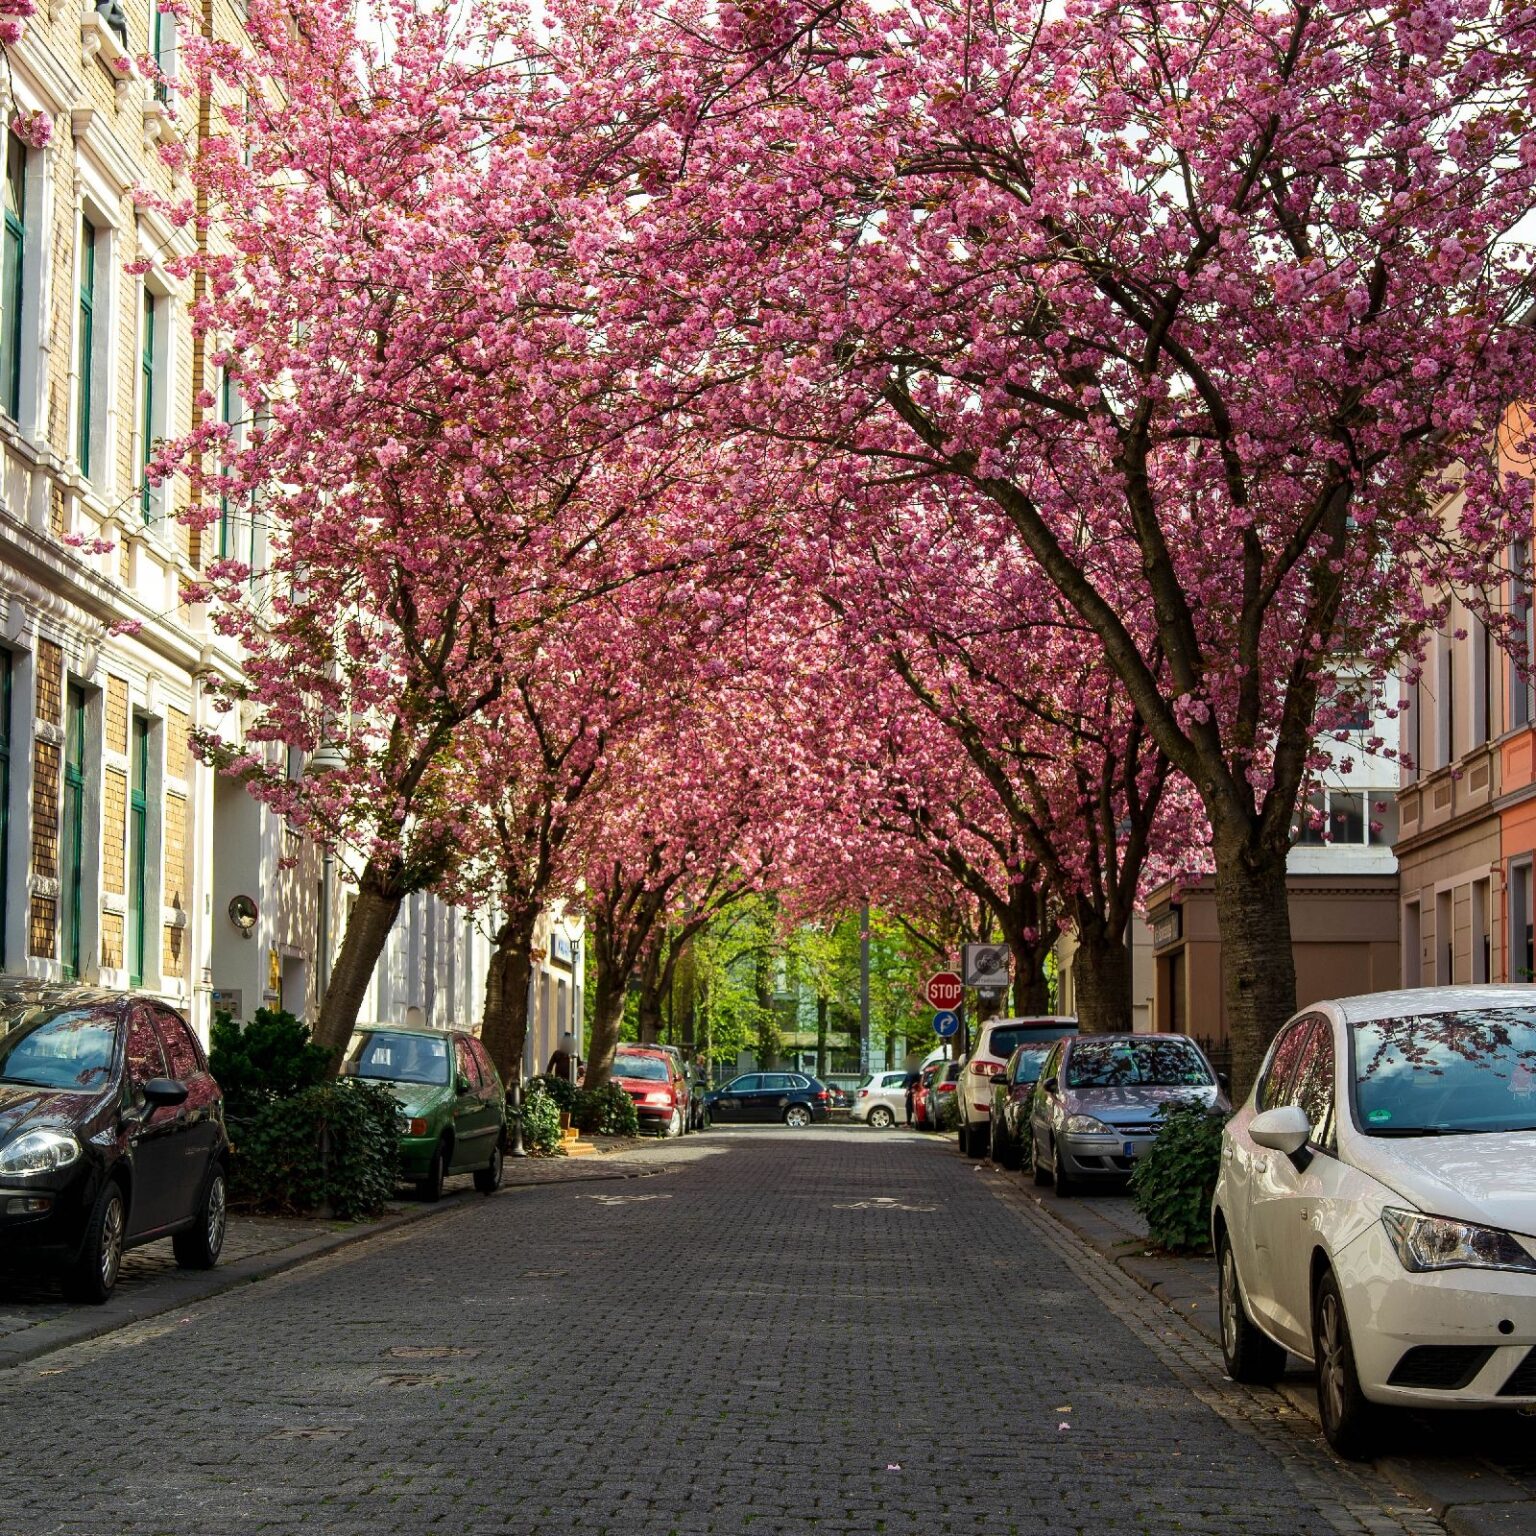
(944,990)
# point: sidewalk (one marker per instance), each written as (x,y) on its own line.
(1474,1471)
(35,1319)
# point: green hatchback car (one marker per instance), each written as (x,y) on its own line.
(454,1106)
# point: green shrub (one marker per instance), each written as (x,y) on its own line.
(333,1144)
(540,1118)
(605,1111)
(1173,1184)
(561,1089)
(269,1059)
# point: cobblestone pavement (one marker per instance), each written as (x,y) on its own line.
(829,1331)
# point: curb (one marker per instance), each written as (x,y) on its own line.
(1470,1497)
(190,1288)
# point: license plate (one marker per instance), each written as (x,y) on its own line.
(1130,1150)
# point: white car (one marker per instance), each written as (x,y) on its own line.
(1375,1212)
(881,1099)
(996,1041)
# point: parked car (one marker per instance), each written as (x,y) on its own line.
(996,1041)
(653,1078)
(1095,1110)
(763,1098)
(1013,1090)
(942,1088)
(922,1117)
(1375,1211)
(838,1098)
(881,1100)
(454,1105)
(698,1092)
(111,1134)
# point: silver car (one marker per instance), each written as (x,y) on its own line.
(1095,1110)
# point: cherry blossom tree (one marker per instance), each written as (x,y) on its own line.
(1215,306)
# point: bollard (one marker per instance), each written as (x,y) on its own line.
(517,1148)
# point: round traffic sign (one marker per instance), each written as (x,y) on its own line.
(946,1023)
(943,990)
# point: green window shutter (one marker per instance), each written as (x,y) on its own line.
(74,825)
(7,670)
(13,275)
(147,375)
(87,340)
(138,849)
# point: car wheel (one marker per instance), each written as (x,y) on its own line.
(976,1142)
(1251,1356)
(798,1116)
(1008,1153)
(1066,1185)
(1038,1171)
(1349,1419)
(93,1275)
(673,1126)
(199,1246)
(488,1179)
(430,1188)
(881,1118)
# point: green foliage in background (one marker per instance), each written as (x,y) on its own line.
(540,1118)
(561,1089)
(606,1111)
(1173,1184)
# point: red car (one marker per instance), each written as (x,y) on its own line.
(921,1118)
(941,1086)
(653,1079)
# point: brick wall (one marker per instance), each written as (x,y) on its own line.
(112,940)
(117,715)
(45,810)
(41,927)
(114,832)
(176,743)
(50,682)
(176,954)
(176,885)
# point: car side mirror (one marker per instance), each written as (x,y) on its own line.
(462,1083)
(1223,1082)
(164,1092)
(1050,1085)
(1285,1129)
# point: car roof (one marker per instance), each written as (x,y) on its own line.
(625,1048)
(420,1033)
(1421,1000)
(32,992)
(1032,1018)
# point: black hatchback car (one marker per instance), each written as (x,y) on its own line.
(763,1098)
(111,1133)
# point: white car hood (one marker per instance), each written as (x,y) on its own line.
(1487,1179)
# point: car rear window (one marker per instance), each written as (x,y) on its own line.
(1115,1062)
(649,1069)
(1004,1042)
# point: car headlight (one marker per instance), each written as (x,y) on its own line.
(39,1152)
(1435,1242)
(1086,1125)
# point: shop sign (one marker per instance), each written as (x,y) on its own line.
(1168,929)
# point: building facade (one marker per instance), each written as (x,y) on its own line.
(123,860)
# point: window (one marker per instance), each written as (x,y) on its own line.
(1313,1087)
(1346,818)
(1445,704)
(149,404)
(138,849)
(162,44)
(73,829)
(748,1084)
(180,1048)
(1281,1067)
(87,378)
(145,1058)
(13,275)
(483,1061)
(1522,959)
(229,416)
(7,673)
(1520,701)
(1312,825)
(1382,829)
(465,1063)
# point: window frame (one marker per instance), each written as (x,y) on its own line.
(85,377)
(72,830)
(140,733)
(13,273)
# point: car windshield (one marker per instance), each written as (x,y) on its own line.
(1447,1073)
(1004,1042)
(69,1048)
(1027,1068)
(1115,1062)
(648,1069)
(401,1059)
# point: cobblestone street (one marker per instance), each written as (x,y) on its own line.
(775,1336)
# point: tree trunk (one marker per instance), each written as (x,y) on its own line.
(821,1037)
(1031,987)
(608,1016)
(504,1026)
(1101,978)
(1258,969)
(650,996)
(379,894)
(684,1001)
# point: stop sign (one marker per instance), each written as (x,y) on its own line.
(944,990)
